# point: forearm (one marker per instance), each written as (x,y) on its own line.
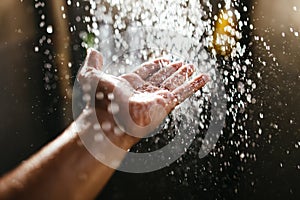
(64,169)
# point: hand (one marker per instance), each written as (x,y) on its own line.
(132,105)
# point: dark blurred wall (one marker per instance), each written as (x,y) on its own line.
(273,126)
(32,115)
(276,72)
(35,107)
(27,119)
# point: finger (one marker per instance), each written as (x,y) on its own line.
(139,84)
(178,78)
(164,73)
(148,69)
(160,60)
(134,80)
(93,59)
(189,88)
(91,66)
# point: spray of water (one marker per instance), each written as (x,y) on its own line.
(131,32)
(117,29)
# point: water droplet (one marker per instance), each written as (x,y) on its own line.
(242,155)
(96,127)
(86,97)
(281,165)
(106,126)
(86,87)
(49,29)
(113,108)
(98,137)
(118,131)
(111,96)
(99,95)
(36,49)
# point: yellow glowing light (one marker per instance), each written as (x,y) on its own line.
(225,35)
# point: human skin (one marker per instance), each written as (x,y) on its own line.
(65,169)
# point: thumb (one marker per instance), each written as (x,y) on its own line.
(91,66)
(90,73)
(94,59)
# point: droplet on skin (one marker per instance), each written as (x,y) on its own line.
(118,131)
(98,137)
(113,108)
(294,8)
(86,87)
(79,143)
(106,126)
(115,163)
(111,96)
(96,127)
(99,95)
(86,98)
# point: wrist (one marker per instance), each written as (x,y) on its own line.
(109,145)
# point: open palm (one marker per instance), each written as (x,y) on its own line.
(134,104)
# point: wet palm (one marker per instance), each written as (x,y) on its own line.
(137,102)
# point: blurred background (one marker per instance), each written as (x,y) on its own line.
(42,47)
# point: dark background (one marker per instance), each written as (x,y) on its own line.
(34,110)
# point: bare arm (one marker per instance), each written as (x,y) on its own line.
(64,169)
